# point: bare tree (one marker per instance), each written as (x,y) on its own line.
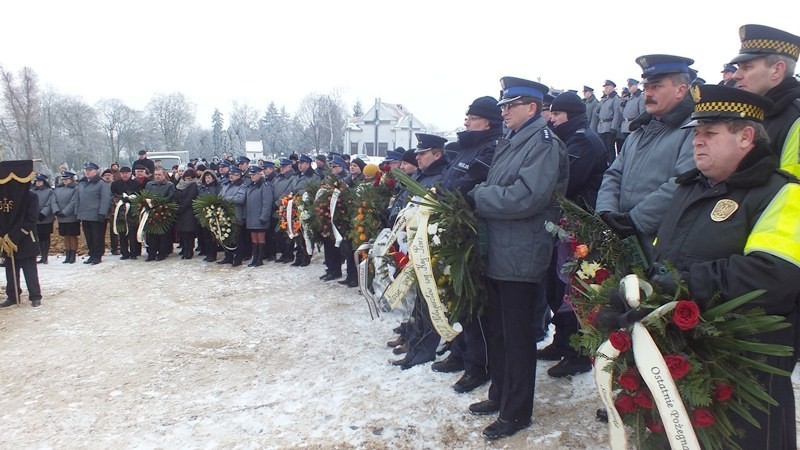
(79,121)
(48,131)
(172,116)
(119,123)
(22,105)
(321,121)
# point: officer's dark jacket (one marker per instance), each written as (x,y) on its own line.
(588,160)
(786,110)
(711,257)
(709,253)
(433,173)
(472,160)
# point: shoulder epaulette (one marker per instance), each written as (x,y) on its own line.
(546,135)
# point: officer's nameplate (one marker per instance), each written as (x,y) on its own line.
(723,210)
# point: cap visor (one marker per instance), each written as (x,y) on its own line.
(746,57)
(508,100)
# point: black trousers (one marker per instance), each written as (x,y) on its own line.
(333,256)
(95,234)
(511,333)
(159,244)
(28,266)
(470,347)
(610,140)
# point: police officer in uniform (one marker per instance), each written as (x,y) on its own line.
(530,165)
(610,118)
(733,227)
(767,61)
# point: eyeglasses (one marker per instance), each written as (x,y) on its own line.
(506,106)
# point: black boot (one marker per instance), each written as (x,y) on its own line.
(67,254)
(44,247)
(72,257)
(227,259)
(188,248)
(257,250)
(211,255)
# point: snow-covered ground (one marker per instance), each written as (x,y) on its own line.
(187,354)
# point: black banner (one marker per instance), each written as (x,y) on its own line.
(15,181)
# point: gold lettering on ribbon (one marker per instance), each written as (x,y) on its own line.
(420,256)
(400,286)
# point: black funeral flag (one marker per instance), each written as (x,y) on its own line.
(15,181)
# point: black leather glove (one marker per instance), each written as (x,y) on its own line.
(661,276)
(618,314)
(59,214)
(619,223)
(42,217)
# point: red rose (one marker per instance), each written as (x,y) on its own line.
(630,379)
(702,418)
(723,392)
(655,427)
(601,275)
(678,366)
(591,317)
(625,403)
(390,183)
(621,340)
(686,315)
(644,399)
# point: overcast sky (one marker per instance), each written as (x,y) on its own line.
(434,57)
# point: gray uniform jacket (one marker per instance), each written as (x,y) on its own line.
(94,199)
(642,178)
(236,193)
(591,111)
(282,185)
(47,204)
(633,108)
(517,199)
(303,179)
(609,115)
(66,198)
(258,203)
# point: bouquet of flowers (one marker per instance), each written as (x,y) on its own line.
(156,211)
(218,216)
(329,216)
(712,357)
(284,215)
(455,260)
(124,215)
(371,200)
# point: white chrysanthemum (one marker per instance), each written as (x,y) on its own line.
(433,228)
(436,241)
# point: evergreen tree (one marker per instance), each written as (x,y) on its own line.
(217,124)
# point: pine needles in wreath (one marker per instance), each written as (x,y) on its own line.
(218,216)
(452,232)
(370,201)
(159,212)
(321,216)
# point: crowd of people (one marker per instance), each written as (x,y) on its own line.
(704,175)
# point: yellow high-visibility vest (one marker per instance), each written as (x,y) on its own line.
(790,153)
(777,231)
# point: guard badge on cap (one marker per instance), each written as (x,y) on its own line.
(723,210)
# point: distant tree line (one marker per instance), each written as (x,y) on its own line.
(62,129)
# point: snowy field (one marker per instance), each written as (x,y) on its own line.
(187,354)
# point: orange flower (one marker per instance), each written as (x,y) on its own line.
(581,251)
(362,236)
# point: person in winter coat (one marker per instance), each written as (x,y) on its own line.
(120,189)
(160,245)
(587,164)
(94,202)
(633,108)
(530,165)
(186,223)
(281,186)
(768,70)
(23,235)
(47,211)
(305,176)
(69,228)
(610,118)
(733,227)
(638,186)
(592,103)
(234,191)
(422,340)
(208,244)
(469,167)
(258,203)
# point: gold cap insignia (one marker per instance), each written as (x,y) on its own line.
(723,210)
(696,93)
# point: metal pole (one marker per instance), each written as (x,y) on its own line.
(377,124)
